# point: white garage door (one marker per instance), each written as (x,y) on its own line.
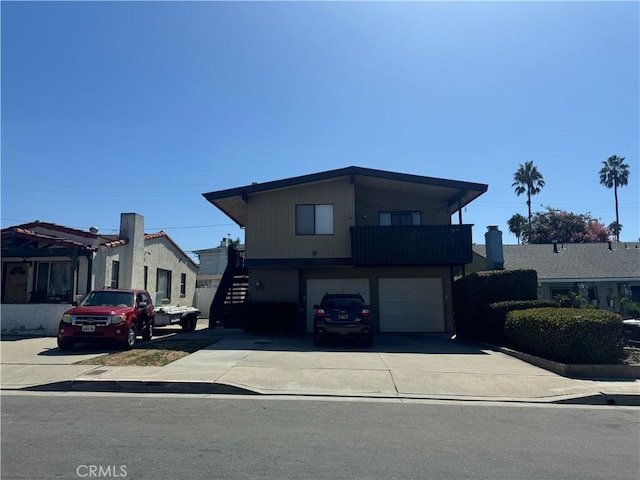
(317,288)
(411,305)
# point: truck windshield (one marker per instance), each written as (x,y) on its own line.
(112,299)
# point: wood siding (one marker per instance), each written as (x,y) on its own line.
(273,229)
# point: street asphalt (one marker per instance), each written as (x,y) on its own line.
(399,366)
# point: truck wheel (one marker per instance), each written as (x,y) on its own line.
(189,323)
(147,331)
(130,341)
(65,343)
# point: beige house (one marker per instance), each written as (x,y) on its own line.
(386,235)
(46,266)
(599,271)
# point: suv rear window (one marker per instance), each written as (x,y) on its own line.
(343,303)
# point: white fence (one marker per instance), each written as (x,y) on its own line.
(204,297)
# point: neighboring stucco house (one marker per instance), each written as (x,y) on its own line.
(600,271)
(46,266)
(383,234)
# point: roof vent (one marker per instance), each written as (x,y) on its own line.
(93,230)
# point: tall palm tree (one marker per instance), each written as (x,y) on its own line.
(614,174)
(516,225)
(528,179)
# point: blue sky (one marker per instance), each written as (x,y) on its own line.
(117,107)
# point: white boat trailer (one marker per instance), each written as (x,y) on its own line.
(187,317)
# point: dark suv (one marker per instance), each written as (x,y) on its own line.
(109,314)
(342,315)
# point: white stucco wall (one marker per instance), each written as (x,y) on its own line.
(160,253)
(31,319)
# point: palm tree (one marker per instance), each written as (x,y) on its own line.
(615,173)
(528,179)
(516,225)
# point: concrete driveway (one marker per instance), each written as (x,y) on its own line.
(402,366)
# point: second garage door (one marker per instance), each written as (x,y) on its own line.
(411,305)
(318,287)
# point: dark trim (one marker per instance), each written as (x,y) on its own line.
(351,172)
(458,198)
(297,262)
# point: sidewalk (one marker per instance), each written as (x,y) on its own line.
(410,366)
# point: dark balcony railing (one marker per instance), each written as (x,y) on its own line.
(411,245)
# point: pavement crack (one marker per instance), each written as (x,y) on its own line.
(395,386)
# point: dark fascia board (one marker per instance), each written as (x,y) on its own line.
(341,172)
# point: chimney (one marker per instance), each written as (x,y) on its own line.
(132,256)
(495,254)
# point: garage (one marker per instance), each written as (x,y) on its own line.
(316,288)
(411,305)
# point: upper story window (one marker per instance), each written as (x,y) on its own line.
(314,219)
(399,218)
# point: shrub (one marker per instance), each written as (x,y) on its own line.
(472,295)
(567,335)
(490,323)
(482,288)
(628,308)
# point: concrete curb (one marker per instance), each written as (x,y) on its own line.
(140,386)
(577,371)
(213,388)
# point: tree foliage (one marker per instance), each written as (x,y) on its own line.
(516,225)
(529,180)
(565,227)
(613,174)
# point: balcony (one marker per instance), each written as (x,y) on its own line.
(422,245)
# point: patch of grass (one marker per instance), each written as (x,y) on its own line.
(156,354)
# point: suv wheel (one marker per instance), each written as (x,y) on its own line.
(147,331)
(130,341)
(65,343)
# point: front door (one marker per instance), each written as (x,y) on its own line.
(15,286)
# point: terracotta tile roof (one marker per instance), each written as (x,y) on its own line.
(108,241)
(574,261)
(60,228)
(30,234)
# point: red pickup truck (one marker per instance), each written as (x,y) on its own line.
(109,314)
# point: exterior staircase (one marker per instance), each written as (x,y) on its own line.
(230,300)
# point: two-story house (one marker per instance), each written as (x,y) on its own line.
(386,235)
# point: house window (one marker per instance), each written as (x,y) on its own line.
(163,285)
(115,274)
(314,219)
(146,276)
(53,282)
(399,218)
(183,284)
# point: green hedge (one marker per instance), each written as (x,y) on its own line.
(567,335)
(473,294)
(477,290)
(491,320)
(271,317)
